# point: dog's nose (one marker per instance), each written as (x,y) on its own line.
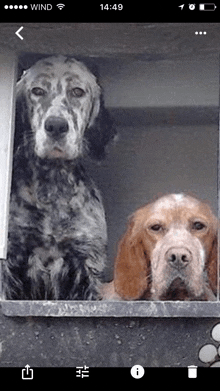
(178,257)
(56,127)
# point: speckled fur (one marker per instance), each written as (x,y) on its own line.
(57,229)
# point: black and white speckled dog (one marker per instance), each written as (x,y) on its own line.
(57,228)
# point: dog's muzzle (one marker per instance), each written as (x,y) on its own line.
(56,127)
(178,257)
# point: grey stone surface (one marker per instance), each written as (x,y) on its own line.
(102,342)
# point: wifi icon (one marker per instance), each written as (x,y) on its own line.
(60,6)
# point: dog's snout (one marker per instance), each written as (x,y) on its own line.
(56,127)
(178,257)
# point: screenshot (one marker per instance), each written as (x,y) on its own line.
(109,210)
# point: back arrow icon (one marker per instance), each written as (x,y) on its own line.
(18,31)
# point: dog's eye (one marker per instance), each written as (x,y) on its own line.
(77,92)
(156,227)
(198,226)
(38,91)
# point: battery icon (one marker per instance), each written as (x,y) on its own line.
(207,7)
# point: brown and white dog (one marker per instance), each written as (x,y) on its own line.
(169,252)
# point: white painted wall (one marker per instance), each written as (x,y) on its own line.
(7,83)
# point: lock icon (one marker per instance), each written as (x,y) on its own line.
(27,373)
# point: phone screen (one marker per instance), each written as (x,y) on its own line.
(109,156)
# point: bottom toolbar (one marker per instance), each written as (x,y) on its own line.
(84,373)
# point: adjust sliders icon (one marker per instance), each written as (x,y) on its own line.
(27,373)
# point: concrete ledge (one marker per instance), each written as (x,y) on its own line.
(111,308)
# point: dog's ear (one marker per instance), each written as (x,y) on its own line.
(212,265)
(22,136)
(21,114)
(132,266)
(101,130)
(96,103)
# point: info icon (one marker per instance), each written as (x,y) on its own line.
(137,371)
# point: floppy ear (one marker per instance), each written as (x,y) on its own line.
(96,94)
(212,265)
(131,267)
(22,123)
(100,131)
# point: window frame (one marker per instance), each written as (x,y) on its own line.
(52,308)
